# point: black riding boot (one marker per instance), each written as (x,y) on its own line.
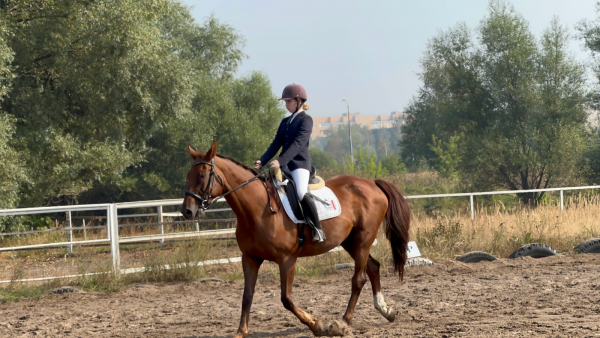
(312,218)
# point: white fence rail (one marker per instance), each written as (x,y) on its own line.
(112,220)
(505,192)
(112,225)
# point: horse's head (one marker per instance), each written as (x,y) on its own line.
(203,182)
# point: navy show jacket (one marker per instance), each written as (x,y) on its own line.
(293,138)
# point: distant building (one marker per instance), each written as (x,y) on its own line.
(322,124)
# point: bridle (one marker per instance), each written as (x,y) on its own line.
(205,198)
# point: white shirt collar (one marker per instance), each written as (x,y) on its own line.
(294,115)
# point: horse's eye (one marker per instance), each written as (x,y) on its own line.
(202,175)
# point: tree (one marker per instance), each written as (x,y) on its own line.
(517,103)
(242,115)
(393,164)
(93,80)
(590,34)
(447,157)
(12,170)
(321,160)
(102,96)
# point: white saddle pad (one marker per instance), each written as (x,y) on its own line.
(325,211)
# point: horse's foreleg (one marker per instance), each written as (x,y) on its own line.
(250,265)
(287,271)
(378,300)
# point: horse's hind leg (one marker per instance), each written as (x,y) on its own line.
(378,300)
(361,256)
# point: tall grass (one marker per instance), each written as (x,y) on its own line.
(180,265)
(500,231)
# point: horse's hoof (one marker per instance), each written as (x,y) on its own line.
(391,316)
(317,328)
(336,328)
(240,335)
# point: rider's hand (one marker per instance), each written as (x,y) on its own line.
(275,164)
(257,164)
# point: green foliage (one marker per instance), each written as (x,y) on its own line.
(100,99)
(590,34)
(348,166)
(20,291)
(517,104)
(12,169)
(37,223)
(365,163)
(321,160)
(447,157)
(243,111)
(393,164)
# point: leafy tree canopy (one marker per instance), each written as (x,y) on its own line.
(502,110)
(105,94)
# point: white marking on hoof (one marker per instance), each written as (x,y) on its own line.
(380,305)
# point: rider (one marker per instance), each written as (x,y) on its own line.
(293,135)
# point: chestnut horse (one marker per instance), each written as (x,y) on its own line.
(265,233)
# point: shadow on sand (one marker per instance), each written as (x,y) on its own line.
(262,334)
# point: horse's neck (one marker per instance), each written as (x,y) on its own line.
(241,200)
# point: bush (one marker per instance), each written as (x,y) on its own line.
(393,165)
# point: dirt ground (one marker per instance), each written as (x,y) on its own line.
(549,297)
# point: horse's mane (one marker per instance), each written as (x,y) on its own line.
(252,170)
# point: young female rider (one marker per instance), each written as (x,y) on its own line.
(293,137)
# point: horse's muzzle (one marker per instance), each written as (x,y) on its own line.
(187,213)
(189,208)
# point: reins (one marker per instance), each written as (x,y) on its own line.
(205,203)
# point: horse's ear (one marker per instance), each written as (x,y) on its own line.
(212,152)
(193,153)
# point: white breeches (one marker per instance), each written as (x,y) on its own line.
(300,177)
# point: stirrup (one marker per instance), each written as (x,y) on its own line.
(318,235)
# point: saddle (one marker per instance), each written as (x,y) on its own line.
(314,183)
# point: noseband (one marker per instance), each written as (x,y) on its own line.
(206,194)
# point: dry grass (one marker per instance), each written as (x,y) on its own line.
(500,231)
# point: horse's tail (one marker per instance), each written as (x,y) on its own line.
(397,224)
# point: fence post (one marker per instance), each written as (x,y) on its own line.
(84,230)
(562,205)
(161,229)
(113,233)
(69,233)
(472,208)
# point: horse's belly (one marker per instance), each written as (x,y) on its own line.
(264,244)
(314,249)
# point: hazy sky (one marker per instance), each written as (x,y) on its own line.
(366,52)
